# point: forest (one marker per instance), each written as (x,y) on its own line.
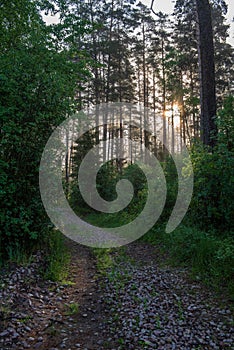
(175,75)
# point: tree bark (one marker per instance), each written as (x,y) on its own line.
(207,73)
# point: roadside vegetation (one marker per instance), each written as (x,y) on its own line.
(105,51)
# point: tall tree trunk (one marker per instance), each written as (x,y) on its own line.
(145,92)
(67,161)
(95,39)
(154,108)
(207,73)
(109,54)
(164,99)
(172,129)
(195,121)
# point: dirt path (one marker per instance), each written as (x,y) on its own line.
(138,305)
(82,317)
(45,315)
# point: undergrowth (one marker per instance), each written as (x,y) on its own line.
(58,257)
(209,258)
(204,243)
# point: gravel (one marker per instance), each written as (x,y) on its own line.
(159,308)
(138,305)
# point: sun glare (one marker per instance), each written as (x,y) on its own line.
(176,115)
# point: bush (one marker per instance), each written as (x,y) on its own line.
(37,89)
(212,204)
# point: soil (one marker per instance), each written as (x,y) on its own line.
(80,312)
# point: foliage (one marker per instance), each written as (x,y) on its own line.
(212,205)
(107,178)
(80,149)
(209,258)
(104,260)
(132,58)
(37,88)
(72,309)
(205,241)
(57,257)
(225,123)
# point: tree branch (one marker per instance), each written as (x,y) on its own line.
(151,7)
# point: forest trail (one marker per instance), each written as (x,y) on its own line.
(139,304)
(49,315)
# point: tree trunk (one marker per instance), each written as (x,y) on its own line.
(164,99)
(207,73)
(172,129)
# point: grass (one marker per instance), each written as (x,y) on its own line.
(58,258)
(208,257)
(67,283)
(72,309)
(18,255)
(25,319)
(103,259)
(180,310)
(52,330)
(158,322)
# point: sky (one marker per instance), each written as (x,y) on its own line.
(166,6)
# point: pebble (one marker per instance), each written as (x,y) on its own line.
(145,306)
(156,309)
(4,333)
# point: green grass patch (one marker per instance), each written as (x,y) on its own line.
(58,258)
(209,258)
(72,309)
(104,260)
